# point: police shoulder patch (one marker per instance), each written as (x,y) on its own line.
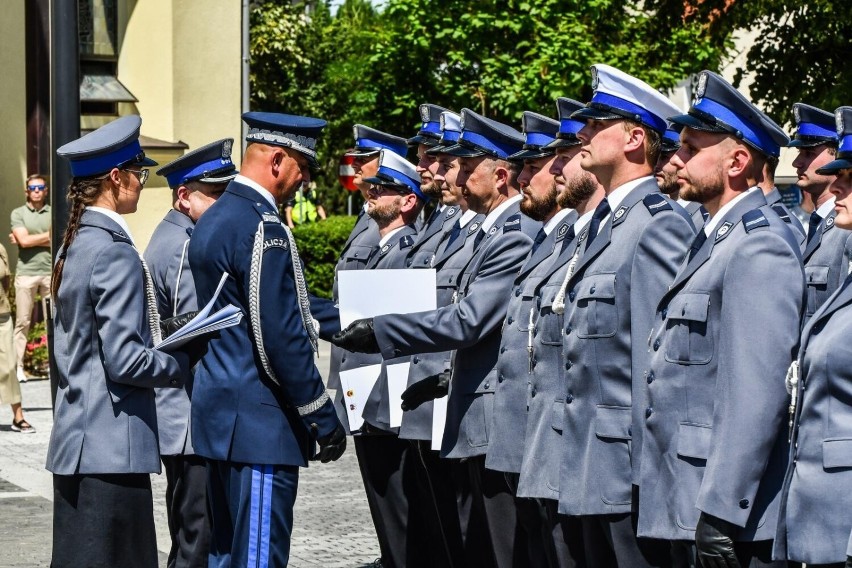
(754,219)
(276,242)
(513,223)
(406,242)
(656,202)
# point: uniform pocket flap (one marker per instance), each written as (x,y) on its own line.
(448,277)
(691,306)
(357,252)
(613,422)
(597,287)
(693,441)
(548,294)
(816,275)
(488,384)
(837,453)
(557,419)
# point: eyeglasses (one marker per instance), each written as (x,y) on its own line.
(40,187)
(388,190)
(141,174)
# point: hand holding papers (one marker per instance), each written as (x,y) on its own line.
(204,322)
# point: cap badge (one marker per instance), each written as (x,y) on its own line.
(226,149)
(797,116)
(702,86)
(355,132)
(424,113)
(838,119)
(442,122)
(595,79)
(461,122)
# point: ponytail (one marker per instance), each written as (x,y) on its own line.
(81,192)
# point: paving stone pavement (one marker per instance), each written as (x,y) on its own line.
(332,526)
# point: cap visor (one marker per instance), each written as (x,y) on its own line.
(362,152)
(146,161)
(422,139)
(810,143)
(463,151)
(669,148)
(439,149)
(530,154)
(218,179)
(562,143)
(591,113)
(835,166)
(695,123)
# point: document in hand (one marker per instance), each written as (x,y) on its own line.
(204,322)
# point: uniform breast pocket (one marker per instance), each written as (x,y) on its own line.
(687,337)
(356,257)
(597,309)
(816,278)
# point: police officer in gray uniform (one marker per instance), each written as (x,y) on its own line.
(828,248)
(814,524)
(715,440)
(103,446)
(441,221)
(542,442)
(471,324)
(775,201)
(196,179)
(636,239)
(516,359)
(666,175)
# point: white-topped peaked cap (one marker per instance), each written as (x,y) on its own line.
(396,170)
(619,95)
(450,131)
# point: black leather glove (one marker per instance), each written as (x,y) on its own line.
(849,562)
(196,348)
(714,542)
(359,337)
(171,325)
(428,389)
(331,446)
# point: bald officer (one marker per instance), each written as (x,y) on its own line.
(715,439)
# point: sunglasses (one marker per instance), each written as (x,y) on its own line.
(40,187)
(141,174)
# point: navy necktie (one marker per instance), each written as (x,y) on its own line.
(539,238)
(478,238)
(601,211)
(569,236)
(699,241)
(454,233)
(813,225)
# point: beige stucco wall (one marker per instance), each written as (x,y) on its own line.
(181,59)
(13,158)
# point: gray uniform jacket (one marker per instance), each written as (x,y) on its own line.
(448,263)
(471,325)
(515,363)
(697,213)
(826,262)
(542,442)
(774,200)
(436,229)
(168,262)
(391,255)
(609,313)
(105,419)
(814,522)
(362,241)
(715,435)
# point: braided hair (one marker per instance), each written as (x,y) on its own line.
(81,192)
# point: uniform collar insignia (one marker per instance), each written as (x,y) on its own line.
(620,212)
(385,248)
(723,230)
(450,212)
(829,223)
(473,228)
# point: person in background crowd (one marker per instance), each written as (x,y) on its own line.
(103,446)
(31,232)
(10,390)
(304,207)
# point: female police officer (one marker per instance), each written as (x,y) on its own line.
(104,443)
(814,523)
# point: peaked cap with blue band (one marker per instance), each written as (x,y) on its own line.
(482,136)
(813,127)
(619,95)
(113,145)
(298,133)
(430,131)
(369,141)
(719,107)
(670,143)
(450,132)
(843,158)
(208,164)
(568,127)
(397,171)
(539,131)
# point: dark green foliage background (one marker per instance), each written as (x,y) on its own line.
(319,246)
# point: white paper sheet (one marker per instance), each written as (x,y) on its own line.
(439,420)
(357,385)
(369,293)
(397,381)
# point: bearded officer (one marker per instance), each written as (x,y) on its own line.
(636,239)
(715,437)
(471,324)
(666,174)
(828,248)
(258,401)
(196,179)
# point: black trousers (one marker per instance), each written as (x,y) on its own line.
(103,521)
(403,521)
(565,538)
(610,540)
(186,506)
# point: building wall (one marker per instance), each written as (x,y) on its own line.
(12,116)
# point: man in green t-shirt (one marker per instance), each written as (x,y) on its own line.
(304,207)
(31,232)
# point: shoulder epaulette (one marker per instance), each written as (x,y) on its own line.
(656,202)
(782,213)
(119,237)
(754,219)
(269,217)
(513,223)
(406,242)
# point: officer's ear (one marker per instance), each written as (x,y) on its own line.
(183,198)
(741,163)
